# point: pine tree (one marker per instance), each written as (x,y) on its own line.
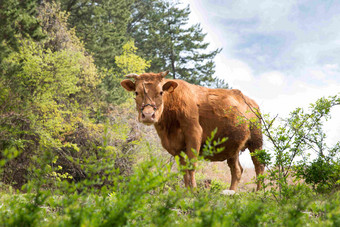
(101,24)
(164,36)
(17,19)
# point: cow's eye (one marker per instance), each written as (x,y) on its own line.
(161,93)
(136,93)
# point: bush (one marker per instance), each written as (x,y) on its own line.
(299,135)
(323,173)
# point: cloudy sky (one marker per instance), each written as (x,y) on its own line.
(284,54)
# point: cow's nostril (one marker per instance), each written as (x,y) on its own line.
(143,116)
(153,115)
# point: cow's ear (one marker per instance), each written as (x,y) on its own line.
(170,86)
(128,85)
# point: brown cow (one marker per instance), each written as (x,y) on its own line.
(184,115)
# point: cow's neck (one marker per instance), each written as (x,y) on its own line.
(170,113)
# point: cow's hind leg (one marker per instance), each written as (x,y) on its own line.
(236,171)
(254,144)
(259,167)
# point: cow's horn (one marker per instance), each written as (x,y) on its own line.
(132,75)
(163,74)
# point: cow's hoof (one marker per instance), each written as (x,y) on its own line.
(228,192)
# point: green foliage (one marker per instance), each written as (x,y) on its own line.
(212,146)
(43,83)
(101,25)
(126,63)
(323,173)
(129,61)
(7,155)
(17,19)
(263,156)
(43,88)
(299,136)
(163,36)
(143,200)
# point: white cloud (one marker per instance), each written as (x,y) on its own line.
(332,66)
(297,94)
(232,70)
(321,74)
(317,74)
(286,33)
(274,78)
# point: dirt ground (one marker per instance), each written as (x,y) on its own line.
(220,172)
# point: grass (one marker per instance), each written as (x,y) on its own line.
(152,196)
(178,207)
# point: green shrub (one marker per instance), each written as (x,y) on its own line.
(298,136)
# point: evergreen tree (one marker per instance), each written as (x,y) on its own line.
(101,24)
(17,18)
(163,35)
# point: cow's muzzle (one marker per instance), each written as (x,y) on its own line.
(148,114)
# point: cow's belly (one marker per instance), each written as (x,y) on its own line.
(173,141)
(237,136)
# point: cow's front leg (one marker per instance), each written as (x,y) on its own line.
(193,138)
(186,172)
(189,172)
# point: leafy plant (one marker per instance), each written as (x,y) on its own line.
(297,136)
(126,63)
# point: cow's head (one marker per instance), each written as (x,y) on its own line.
(150,90)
